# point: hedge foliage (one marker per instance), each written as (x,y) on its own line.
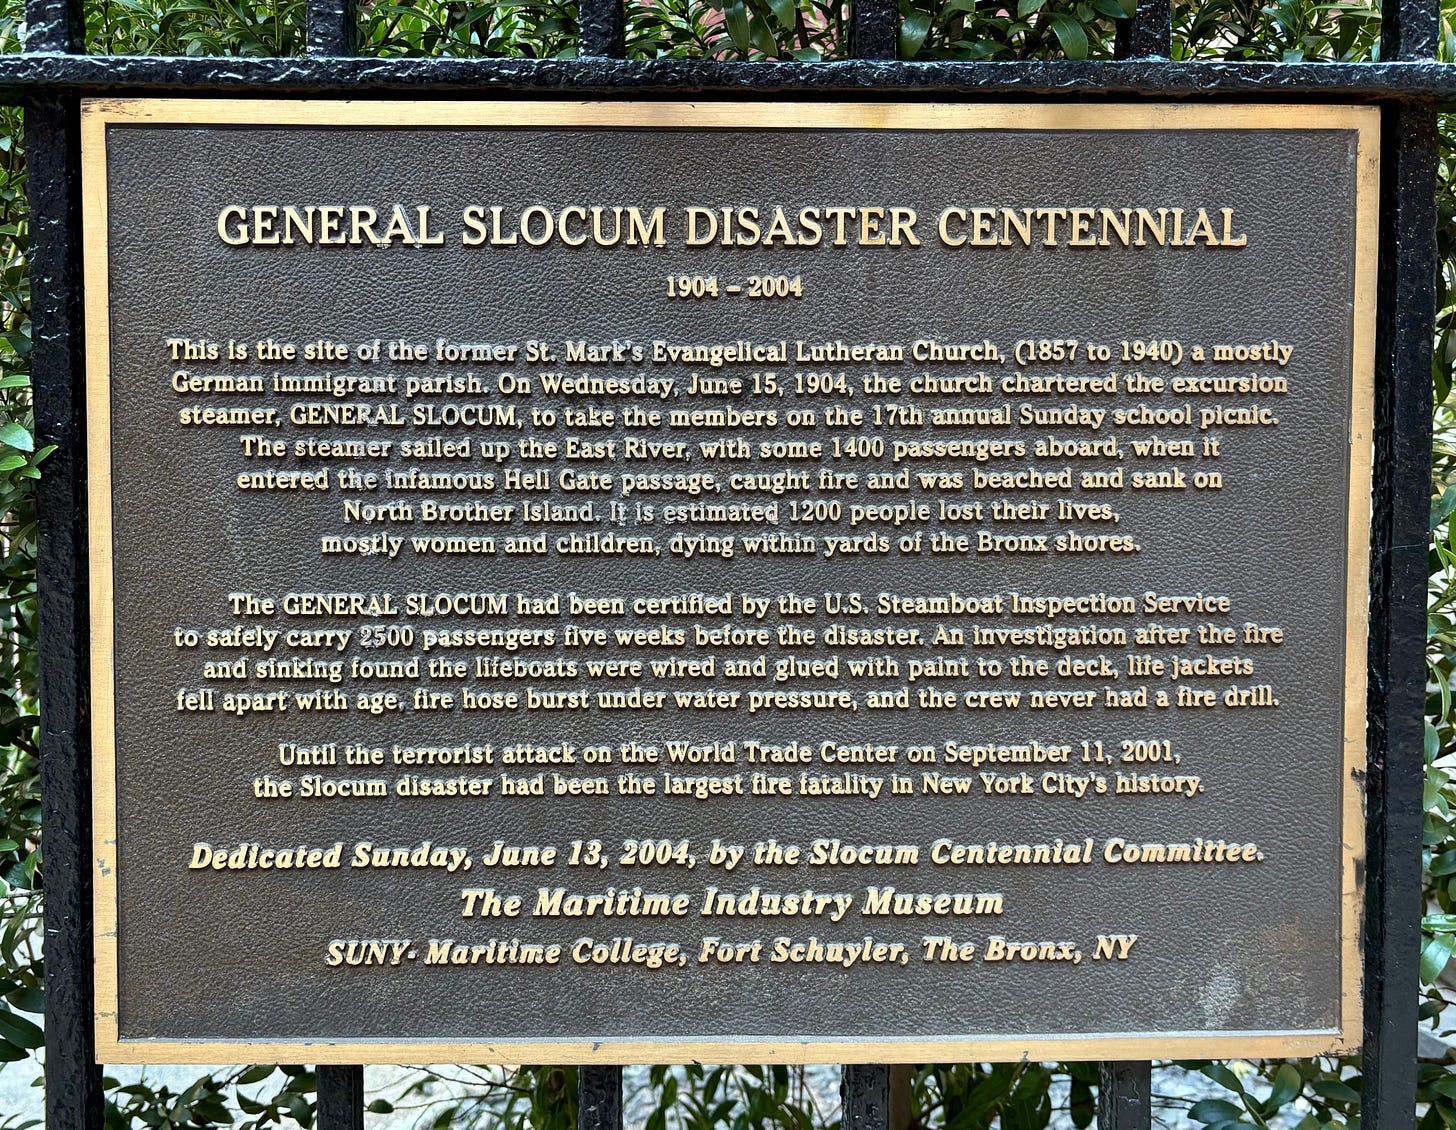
(1306,1094)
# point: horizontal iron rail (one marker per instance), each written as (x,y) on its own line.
(39,74)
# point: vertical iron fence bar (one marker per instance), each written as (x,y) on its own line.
(332,27)
(601,33)
(1124,1095)
(864,1088)
(1404,334)
(1147,33)
(864,1091)
(340,1097)
(874,29)
(73,1091)
(73,1079)
(598,1097)
(602,29)
(1409,30)
(56,26)
(1125,1087)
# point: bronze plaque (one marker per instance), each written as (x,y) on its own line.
(734,582)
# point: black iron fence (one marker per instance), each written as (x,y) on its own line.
(53,73)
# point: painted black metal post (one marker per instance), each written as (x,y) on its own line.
(864,1088)
(602,29)
(340,1097)
(874,29)
(54,27)
(1398,596)
(74,1096)
(1410,30)
(1148,33)
(1125,1087)
(1397,670)
(1403,346)
(1124,1095)
(602,34)
(864,1091)
(333,30)
(599,1098)
(333,27)
(73,1080)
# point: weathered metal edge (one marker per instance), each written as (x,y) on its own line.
(32,74)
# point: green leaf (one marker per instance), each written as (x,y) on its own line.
(1444,864)
(913,30)
(298,1106)
(785,10)
(736,17)
(1442,507)
(1434,955)
(1435,782)
(763,37)
(10,1053)
(20,1031)
(1334,1091)
(1445,1086)
(1213,1111)
(17,436)
(1070,34)
(1082,1106)
(27,1000)
(212,1110)
(1287,1084)
(1223,1077)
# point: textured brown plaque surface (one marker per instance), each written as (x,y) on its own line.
(891,578)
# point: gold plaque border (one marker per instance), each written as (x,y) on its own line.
(98,114)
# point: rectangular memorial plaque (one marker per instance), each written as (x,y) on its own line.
(650,582)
